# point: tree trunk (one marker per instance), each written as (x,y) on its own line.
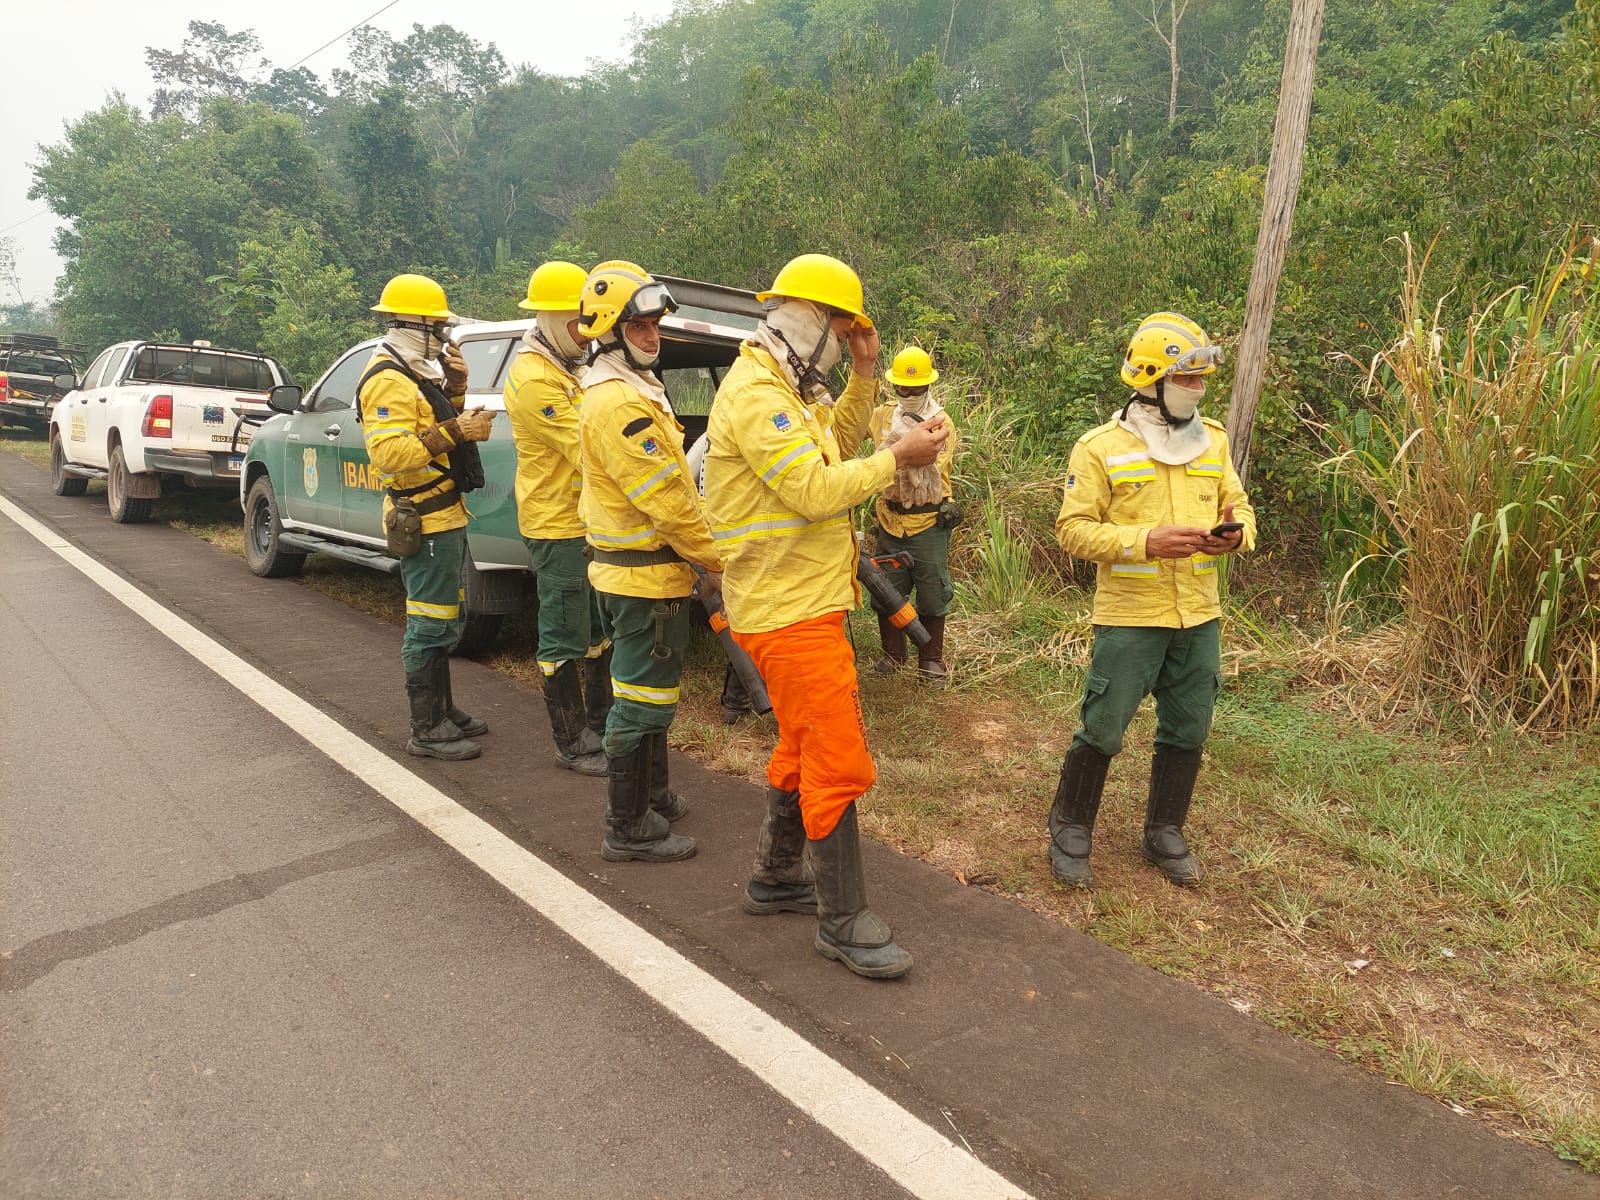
(1277,216)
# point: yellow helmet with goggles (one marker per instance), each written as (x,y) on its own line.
(1165,344)
(615,293)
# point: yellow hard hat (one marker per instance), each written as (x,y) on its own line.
(1168,343)
(555,286)
(824,280)
(615,293)
(415,296)
(913,367)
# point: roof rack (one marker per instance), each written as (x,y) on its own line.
(38,341)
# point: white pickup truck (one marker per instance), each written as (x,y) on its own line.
(148,411)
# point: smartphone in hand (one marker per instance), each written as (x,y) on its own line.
(1226,528)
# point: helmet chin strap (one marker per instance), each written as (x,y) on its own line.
(807,376)
(636,361)
(1160,403)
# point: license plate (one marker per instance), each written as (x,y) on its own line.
(235,463)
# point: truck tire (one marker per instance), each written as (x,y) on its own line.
(125,509)
(484,610)
(61,483)
(262,549)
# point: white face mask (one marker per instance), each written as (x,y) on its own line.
(1182,401)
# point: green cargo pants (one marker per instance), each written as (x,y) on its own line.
(644,688)
(929,573)
(434,596)
(1181,667)
(570,623)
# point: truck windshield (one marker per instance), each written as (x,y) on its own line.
(202,368)
(39,364)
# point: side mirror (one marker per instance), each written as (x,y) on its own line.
(65,383)
(285,398)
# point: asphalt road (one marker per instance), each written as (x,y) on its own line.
(253,976)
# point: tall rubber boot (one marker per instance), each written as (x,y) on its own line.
(597,696)
(930,658)
(893,639)
(736,701)
(470,726)
(847,930)
(1083,779)
(783,879)
(577,747)
(1172,777)
(433,734)
(637,832)
(662,798)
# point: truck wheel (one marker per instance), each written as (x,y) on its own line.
(125,509)
(61,483)
(262,549)
(484,610)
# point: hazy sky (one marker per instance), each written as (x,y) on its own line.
(64,59)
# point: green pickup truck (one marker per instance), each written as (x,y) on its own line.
(307,487)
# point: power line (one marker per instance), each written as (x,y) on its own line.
(24,220)
(346,33)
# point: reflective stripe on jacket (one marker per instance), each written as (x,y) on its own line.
(637,493)
(542,401)
(909,524)
(1116,494)
(780,493)
(394,415)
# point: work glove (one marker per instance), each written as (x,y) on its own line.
(455,371)
(474,424)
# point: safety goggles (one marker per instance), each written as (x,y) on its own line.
(1198,360)
(652,300)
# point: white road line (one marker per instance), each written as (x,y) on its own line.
(915,1155)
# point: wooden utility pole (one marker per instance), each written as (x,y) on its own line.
(1277,216)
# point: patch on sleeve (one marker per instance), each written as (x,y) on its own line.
(649,445)
(780,421)
(549,410)
(383,410)
(637,425)
(1071,479)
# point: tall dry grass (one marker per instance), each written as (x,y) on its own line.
(1482,460)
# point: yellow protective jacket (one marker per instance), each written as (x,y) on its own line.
(1116,494)
(638,494)
(542,400)
(780,493)
(900,524)
(394,415)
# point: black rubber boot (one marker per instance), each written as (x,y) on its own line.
(470,726)
(930,658)
(783,880)
(847,930)
(1083,779)
(735,697)
(1172,777)
(893,639)
(433,734)
(638,832)
(597,697)
(662,798)
(577,746)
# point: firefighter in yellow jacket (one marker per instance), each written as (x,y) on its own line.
(543,398)
(780,492)
(915,515)
(422,445)
(647,532)
(1153,499)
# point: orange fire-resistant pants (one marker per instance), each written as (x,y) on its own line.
(810,672)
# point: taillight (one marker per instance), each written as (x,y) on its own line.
(158,418)
(5,384)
